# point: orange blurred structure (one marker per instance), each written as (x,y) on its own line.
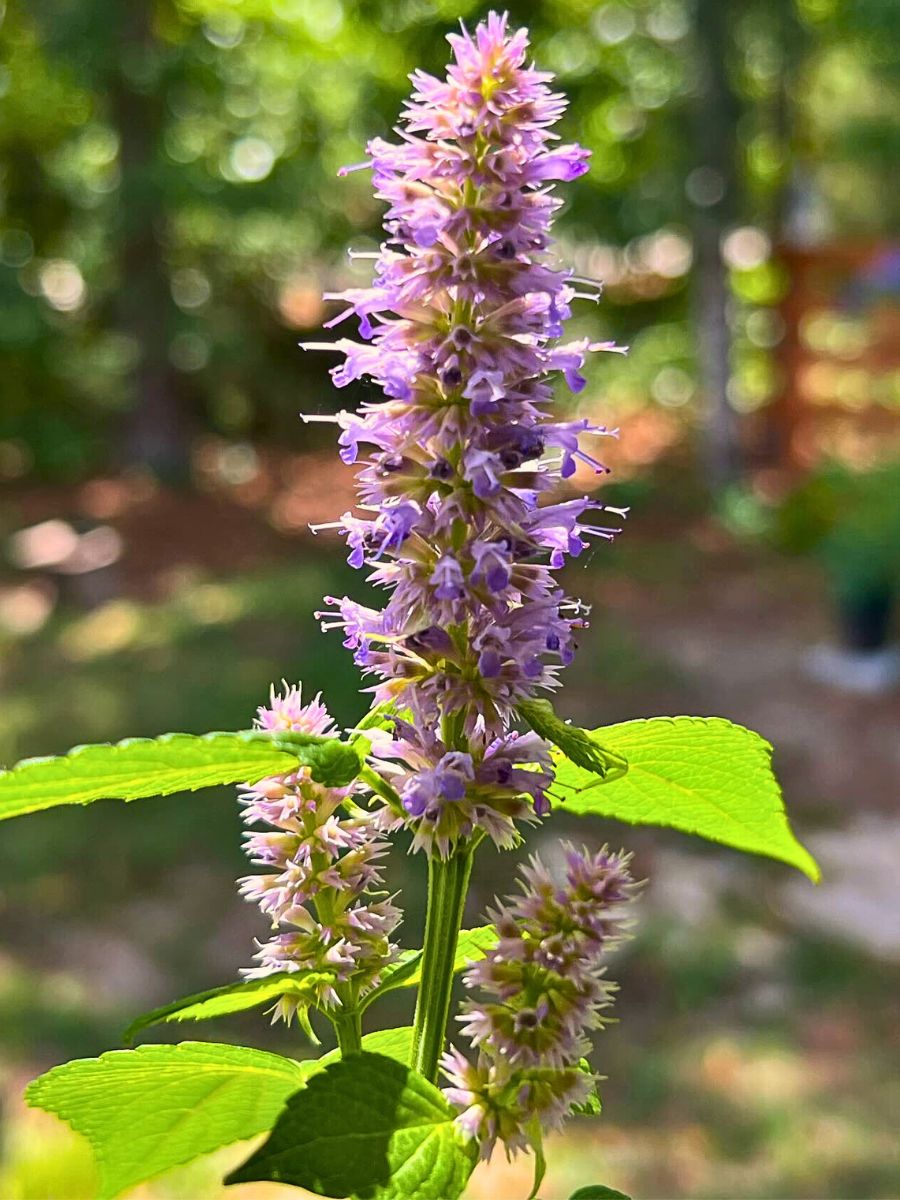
(840,356)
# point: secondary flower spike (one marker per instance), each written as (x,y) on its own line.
(542,987)
(461,329)
(321,866)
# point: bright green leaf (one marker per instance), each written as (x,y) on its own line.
(175,762)
(393,1043)
(146,1110)
(579,745)
(702,775)
(365,1126)
(472,945)
(401,973)
(379,717)
(536,1141)
(232,998)
(591,1105)
(597,1191)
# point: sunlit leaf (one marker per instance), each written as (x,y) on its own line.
(393,1043)
(580,746)
(365,1126)
(232,998)
(176,762)
(146,1110)
(701,775)
(472,945)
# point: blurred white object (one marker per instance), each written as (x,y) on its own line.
(56,546)
(867,673)
(44,545)
(859,897)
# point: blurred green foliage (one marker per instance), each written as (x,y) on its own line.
(849,521)
(169,211)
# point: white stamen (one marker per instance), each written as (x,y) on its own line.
(363,166)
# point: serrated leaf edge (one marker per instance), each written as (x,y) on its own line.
(760,745)
(106,1192)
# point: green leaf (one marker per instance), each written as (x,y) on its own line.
(393,1043)
(578,745)
(597,1191)
(536,1141)
(473,944)
(365,1126)
(231,998)
(401,973)
(702,775)
(381,716)
(175,762)
(146,1110)
(591,1105)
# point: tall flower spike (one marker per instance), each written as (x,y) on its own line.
(543,987)
(461,329)
(321,869)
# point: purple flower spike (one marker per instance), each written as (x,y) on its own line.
(461,329)
(543,986)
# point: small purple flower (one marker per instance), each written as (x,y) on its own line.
(447,579)
(493,565)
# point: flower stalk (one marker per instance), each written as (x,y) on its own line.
(348,1030)
(448,883)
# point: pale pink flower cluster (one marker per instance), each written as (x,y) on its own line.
(542,987)
(320,855)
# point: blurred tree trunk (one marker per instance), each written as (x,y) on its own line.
(789,201)
(712,188)
(155,433)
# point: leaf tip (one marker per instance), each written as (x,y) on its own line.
(808,865)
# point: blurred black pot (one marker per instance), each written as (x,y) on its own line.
(864,618)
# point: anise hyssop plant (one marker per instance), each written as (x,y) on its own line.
(461,523)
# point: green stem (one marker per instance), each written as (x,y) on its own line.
(348,1027)
(448,882)
(381,788)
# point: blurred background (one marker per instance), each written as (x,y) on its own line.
(169,217)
